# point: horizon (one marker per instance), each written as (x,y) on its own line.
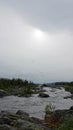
(16,78)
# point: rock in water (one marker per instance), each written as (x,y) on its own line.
(43,95)
(3,93)
(71,108)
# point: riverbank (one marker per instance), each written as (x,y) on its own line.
(20,121)
(58,118)
(17,87)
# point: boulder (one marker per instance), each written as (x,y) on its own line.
(23,114)
(71,108)
(71,96)
(43,95)
(20,121)
(20,112)
(36,120)
(24,95)
(3,93)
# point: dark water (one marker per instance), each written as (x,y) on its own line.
(35,105)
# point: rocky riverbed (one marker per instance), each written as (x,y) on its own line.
(35,105)
(28,113)
(20,121)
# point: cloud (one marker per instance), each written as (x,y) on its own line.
(45,14)
(22,54)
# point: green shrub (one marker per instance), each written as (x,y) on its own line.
(69,88)
(67,125)
(49,108)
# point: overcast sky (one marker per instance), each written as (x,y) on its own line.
(36,40)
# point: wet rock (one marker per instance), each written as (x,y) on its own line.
(43,95)
(27,128)
(1,121)
(20,122)
(3,93)
(20,112)
(31,126)
(6,127)
(7,120)
(71,96)
(24,95)
(36,120)
(27,125)
(23,114)
(71,108)
(4,113)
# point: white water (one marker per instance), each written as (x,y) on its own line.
(35,105)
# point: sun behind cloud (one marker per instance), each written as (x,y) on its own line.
(38,35)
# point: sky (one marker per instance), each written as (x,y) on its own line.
(36,40)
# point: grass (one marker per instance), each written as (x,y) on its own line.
(69,88)
(67,125)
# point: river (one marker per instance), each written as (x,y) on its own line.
(35,105)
